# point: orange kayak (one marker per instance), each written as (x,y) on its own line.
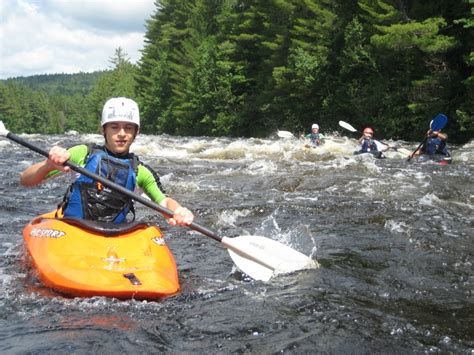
(86,258)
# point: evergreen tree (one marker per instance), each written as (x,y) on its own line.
(163,62)
(300,89)
(411,52)
(245,68)
(465,111)
(117,82)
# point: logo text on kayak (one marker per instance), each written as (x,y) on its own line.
(159,240)
(46,233)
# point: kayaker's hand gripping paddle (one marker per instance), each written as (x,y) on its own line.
(257,256)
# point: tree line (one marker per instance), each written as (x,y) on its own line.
(248,68)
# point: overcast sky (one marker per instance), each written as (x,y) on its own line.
(69,36)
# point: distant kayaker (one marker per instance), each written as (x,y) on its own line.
(88,199)
(435,144)
(369,145)
(314,136)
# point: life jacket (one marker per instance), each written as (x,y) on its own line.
(368,145)
(89,199)
(314,137)
(435,145)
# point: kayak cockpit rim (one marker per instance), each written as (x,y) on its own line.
(103,228)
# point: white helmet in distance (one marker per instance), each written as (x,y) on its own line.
(315,125)
(120,109)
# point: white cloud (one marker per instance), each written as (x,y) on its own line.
(110,15)
(68,36)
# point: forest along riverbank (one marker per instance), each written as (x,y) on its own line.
(394,240)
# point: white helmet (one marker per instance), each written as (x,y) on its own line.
(120,109)
(314,126)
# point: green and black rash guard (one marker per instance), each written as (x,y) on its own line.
(147,179)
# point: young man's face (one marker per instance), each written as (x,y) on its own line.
(119,136)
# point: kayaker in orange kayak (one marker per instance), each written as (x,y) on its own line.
(88,199)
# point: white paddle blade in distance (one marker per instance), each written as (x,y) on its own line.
(382,146)
(261,258)
(3,130)
(285,134)
(403,151)
(347,126)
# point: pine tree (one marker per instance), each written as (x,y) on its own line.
(412,52)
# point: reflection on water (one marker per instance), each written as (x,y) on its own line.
(394,240)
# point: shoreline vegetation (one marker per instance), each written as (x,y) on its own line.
(213,68)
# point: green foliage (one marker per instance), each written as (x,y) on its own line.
(247,68)
(210,99)
(58,103)
(465,112)
(414,35)
(412,46)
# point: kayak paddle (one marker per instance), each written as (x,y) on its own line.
(347,126)
(352,129)
(257,256)
(436,124)
(284,134)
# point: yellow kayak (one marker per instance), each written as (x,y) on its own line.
(86,258)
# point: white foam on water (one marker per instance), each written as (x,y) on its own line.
(339,163)
(170,183)
(368,186)
(183,186)
(338,145)
(396,226)
(302,198)
(4,143)
(336,152)
(155,149)
(92,138)
(462,205)
(229,218)
(5,279)
(261,167)
(423,180)
(429,200)
(224,153)
(465,153)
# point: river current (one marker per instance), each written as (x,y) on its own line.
(394,240)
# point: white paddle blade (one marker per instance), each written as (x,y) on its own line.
(404,151)
(285,134)
(254,269)
(261,257)
(347,126)
(3,130)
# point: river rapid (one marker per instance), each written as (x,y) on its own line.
(394,241)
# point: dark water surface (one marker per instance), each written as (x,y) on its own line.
(394,240)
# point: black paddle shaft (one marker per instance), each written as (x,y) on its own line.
(413,154)
(166,212)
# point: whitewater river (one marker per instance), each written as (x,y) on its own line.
(394,241)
